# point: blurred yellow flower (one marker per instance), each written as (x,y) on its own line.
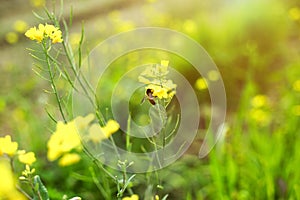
(45,31)
(66,137)
(63,140)
(189,26)
(98,133)
(7,146)
(20,26)
(132,197)
(296,110)
(37,3)
(69,159)
(296,85)
(7,185)
(111,127)
(11,37)
(294,13)
(201,84)
(213,75)
(75,39)
(260,116)
(259,101)
(27,158)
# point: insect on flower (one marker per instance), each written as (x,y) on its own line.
(149,96)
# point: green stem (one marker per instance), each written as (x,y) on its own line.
(52,81)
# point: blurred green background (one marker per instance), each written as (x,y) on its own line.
(255,45)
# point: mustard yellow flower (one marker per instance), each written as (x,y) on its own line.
(75,39)
(294,13)
(190,26)
(201,84)
(11,37)
(132,197)
(8,190)
(98,133)
(69,159)
(37,3)
(63,140)
(260,116)
(296,85)
(259,101)
(296,110)
(27,158)
(66,137)
(158,91)
(7,146)
(213,75)
(45,31)
(111,127)
(35,34)
(20,26)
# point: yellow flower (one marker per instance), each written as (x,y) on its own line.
(296,85)
(7,185)
(98,133)
(201,84)
(259,101)
(37,3)
(164,63)
(11,37)
(190,26)
(213,75)
(66,137)
(27,158)
(111,127)
(75,39)
(133,197)
(7,146)
(20,26)
(294,13)
(45,31)
(34,34)
(296,110)
(260,116)
(158,91)
(69,159)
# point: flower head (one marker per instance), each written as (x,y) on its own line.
(132,197)
(27,158)
(259,101)
(43,32)
(201,84)
(98,133)
(66,138)
(7,146)
(7,186)
(69,159)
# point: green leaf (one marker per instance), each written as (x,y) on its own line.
(40,191)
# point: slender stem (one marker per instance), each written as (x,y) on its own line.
(52,81)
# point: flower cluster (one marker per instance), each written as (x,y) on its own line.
(10,148)
(65,141)
(98,133)
(43,32)
(155,79)
(7,185)
(260,110)
(132,197)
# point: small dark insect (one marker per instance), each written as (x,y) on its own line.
(149,96)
